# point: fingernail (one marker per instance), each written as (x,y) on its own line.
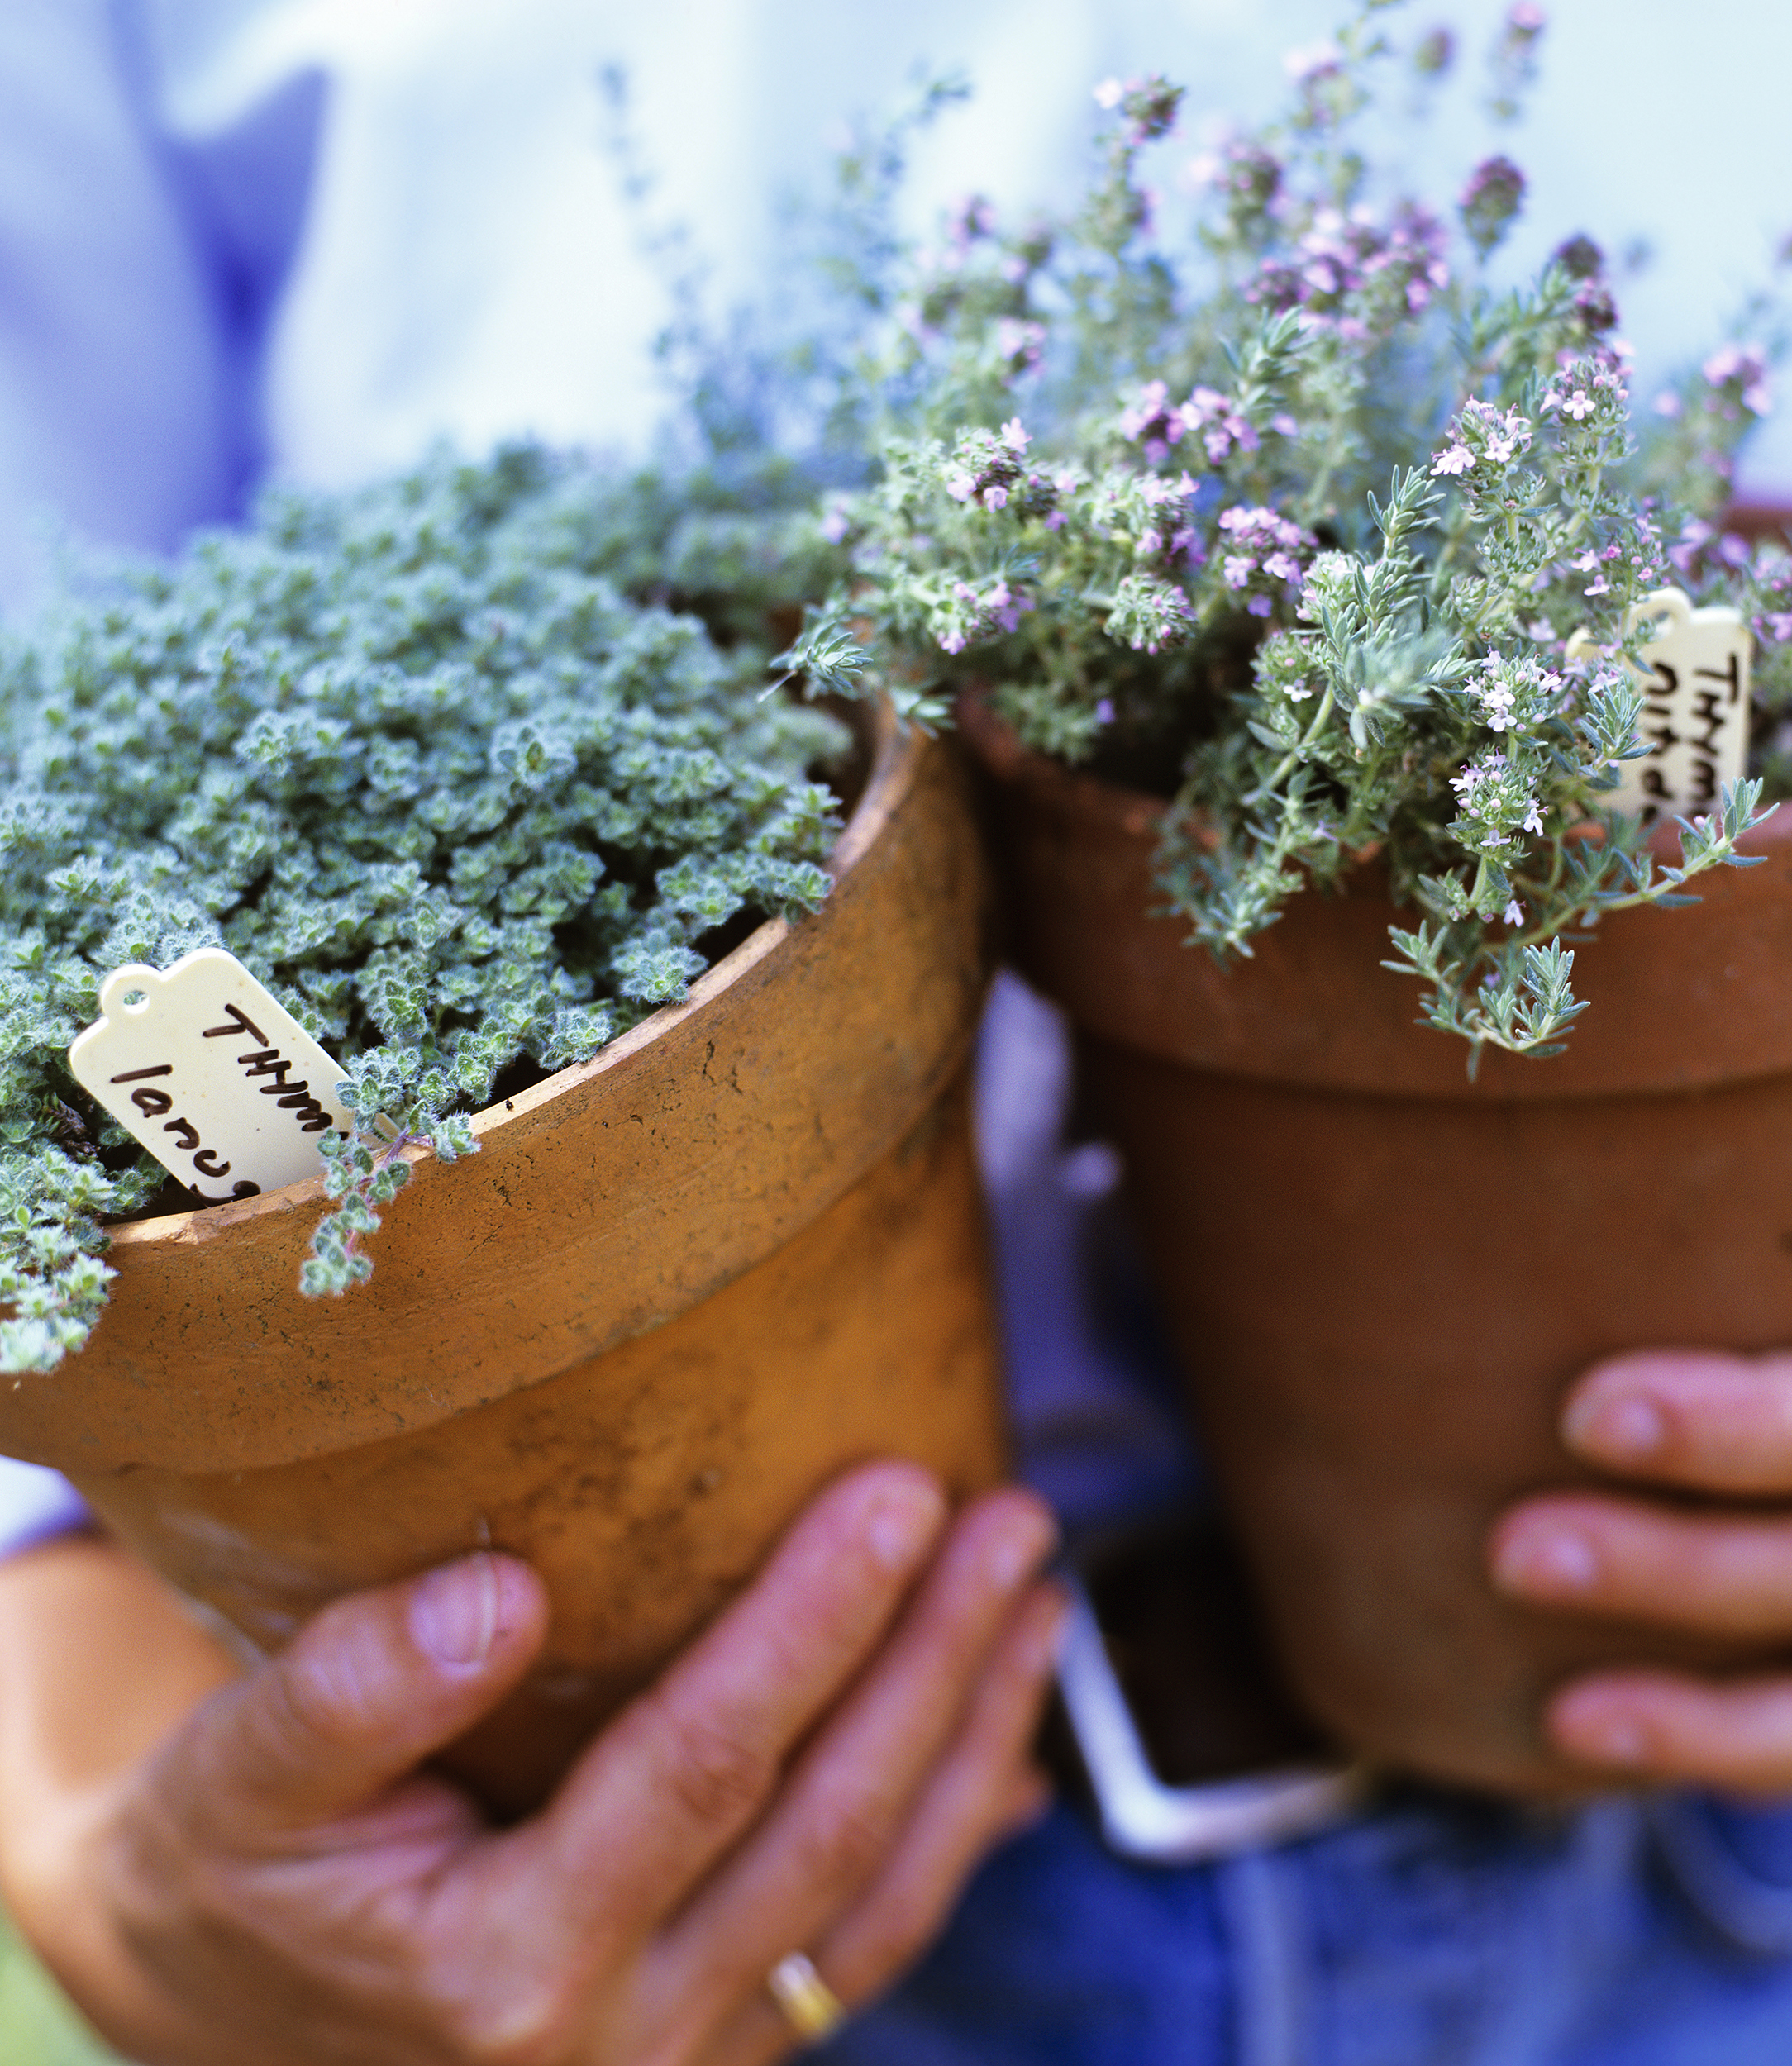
(903,1519)
(454,1611)
(1549,1560)
(1022,1543)
(1615,1740)
(1627,1429)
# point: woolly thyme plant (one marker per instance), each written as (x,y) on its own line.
(466,808)
(1292,524)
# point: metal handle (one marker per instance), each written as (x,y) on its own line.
(1141,1816)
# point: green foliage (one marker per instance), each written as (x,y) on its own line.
(430,760)
(1292,519)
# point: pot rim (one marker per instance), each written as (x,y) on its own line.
(894,754)
(1097,801)
(1700,1003)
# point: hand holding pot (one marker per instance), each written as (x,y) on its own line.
(1681,1421)
(277,1880)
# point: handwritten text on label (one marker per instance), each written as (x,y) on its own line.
(217,1080)
(1695,720)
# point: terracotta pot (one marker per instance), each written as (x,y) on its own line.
(1382,1278)
(681,1286)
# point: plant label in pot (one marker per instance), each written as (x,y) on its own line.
(212,1092)
(1693,670)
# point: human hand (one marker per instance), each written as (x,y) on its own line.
(1685,1421)
(821,1771)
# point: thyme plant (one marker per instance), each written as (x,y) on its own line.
(1292,518)
(416,756)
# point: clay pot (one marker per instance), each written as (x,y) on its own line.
(1382,1278)
(681,1286)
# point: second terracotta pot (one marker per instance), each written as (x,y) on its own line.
(1383,1278)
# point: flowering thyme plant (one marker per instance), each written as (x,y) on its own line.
(1293,522)
(417,760)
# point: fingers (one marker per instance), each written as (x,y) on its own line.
(1720,1574)
(1657,1727)
(983,1790)
(677,1779)
(1688,1417)
(376,1681)
(849,1802)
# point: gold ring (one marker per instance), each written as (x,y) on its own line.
(810,2006)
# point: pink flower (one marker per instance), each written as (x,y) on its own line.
(1016,439)
(1239,568)
(1728,363)
(1007,609)
(961,487)
(1017,340)
(1110,93)
(995,498)
(1146,411)
(1493,196)
(1514,913)
(1313,60)
(1457,459)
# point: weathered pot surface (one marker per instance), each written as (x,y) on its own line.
(679,1288)
(1382,1278)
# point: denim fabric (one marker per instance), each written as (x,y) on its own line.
(1436,1931)
(34,1504)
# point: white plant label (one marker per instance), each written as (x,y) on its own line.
(220,1083)
(1695,721)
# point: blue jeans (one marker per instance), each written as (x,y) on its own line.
(1436,1931)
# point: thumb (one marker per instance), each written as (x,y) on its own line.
(370,1686)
